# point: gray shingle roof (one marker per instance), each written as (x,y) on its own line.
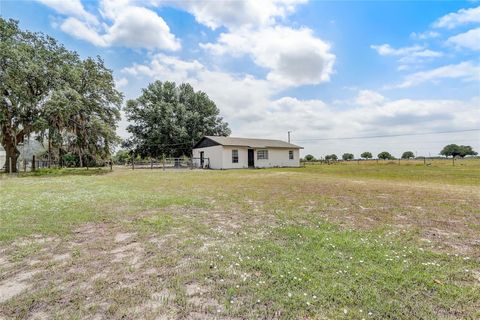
(252,143)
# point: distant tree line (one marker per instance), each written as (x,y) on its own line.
(451,150)
(48,93)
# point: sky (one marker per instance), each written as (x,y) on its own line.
(324,70)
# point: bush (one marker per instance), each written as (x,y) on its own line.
(331,157)
(366,155)
(384,155)
(122,157)
(347,156)
(408,155)
(70,160)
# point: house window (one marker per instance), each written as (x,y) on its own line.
(262,155)
(290,154)
(234,156)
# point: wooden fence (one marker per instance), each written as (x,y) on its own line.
(27,165)
(171,163)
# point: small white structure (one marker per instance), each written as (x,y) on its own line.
(236,153)
(3,157)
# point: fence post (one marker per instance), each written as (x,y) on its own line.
(33,163)
(151,163)
(133,163)
(24,165)
(111,165)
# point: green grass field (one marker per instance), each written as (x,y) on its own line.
(347,241)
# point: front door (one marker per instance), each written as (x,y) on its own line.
(202,160)
(251,162)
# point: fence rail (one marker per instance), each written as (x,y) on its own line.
(171,163)
(27,165)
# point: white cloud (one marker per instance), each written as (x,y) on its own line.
(293,56)
(81,30)
(167,67)
(469,39)
(313,119)
(461,17)
(238,97)
(121,83)
(387,50)
(138,27)
(424,35)
(407,55)
(368,98)
(467,71)
(70,8)
(235,14)
(124,25)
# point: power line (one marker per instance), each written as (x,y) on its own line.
(386,135)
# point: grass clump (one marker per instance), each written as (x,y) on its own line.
(49,172)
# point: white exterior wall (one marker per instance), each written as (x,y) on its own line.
(278,157)
(242,158)
(220,157)
(214,155)
(3,158)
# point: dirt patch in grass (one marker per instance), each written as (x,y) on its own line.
(126,273)
(15,284)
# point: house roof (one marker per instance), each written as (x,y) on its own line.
(249,142)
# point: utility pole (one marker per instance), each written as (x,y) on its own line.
(289,136)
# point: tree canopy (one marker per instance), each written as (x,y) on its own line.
(408,155)
(366,155)
(348,156)
(384,155)
(49,93)
(331,157)
(454,150)
(167,119)
(309,157)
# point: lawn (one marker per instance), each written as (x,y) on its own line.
(346,241)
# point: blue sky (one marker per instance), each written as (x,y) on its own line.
(321,69)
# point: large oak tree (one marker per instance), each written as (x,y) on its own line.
(454,150)
(47,91)
(167,119)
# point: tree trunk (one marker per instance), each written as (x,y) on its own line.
(80,157)
(49,149)
(12,154)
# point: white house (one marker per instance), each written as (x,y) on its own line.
(235,153)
